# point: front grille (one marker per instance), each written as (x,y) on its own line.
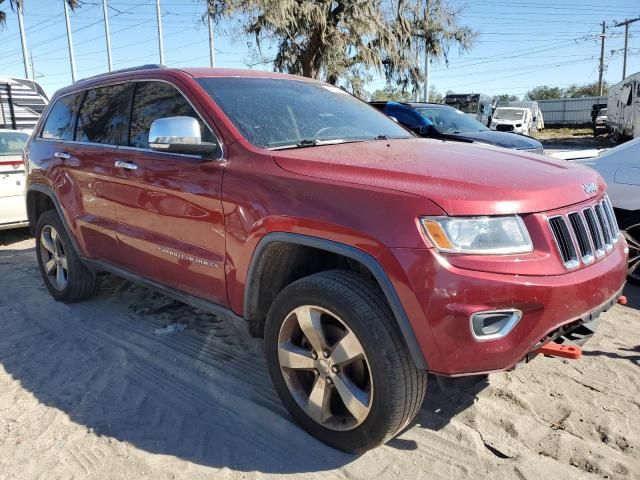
(504,128)
(586,235)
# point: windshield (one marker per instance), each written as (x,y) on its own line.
(602,112)
(509,114)
(449,120)
(275,113)
(12,143)
(464,103)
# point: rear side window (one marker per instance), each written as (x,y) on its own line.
(154,100)
(59,123)
(103,115)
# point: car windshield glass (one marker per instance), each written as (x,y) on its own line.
(464,103)
(508,114)
(450,120)
(602,112)
(275,113)
(12,143)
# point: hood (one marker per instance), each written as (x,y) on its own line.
(501,139)
(463,179)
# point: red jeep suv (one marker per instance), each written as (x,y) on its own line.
(365,256)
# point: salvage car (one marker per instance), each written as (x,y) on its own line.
(600,123)
(13,212)
(363,255)
(620,168)
(434,120)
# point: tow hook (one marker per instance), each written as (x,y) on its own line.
(552,349)
(622,300)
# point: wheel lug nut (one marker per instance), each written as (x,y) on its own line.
(326,353)
(329,381)
(334,369)
(314,355)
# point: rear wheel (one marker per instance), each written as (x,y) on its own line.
(631,230)
(338,362)
(64,274)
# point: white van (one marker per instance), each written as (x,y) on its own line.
(536,112)
(512,119)
(623,109)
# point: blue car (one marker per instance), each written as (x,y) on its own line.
(434,120)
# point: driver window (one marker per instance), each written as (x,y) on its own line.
(154,100)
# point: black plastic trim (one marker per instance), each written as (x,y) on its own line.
(355,254)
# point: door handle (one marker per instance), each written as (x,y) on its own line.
(62,155)
(126,165)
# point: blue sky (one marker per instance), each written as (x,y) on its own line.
(520,44)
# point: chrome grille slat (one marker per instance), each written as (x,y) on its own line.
(585,235)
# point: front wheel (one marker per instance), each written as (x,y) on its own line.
(631,230)
(338,362)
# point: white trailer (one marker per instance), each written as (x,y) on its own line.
(623,109)
(21,103)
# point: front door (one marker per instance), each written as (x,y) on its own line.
(168,206)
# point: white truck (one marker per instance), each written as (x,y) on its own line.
(512,119)
(623,109)
(21,103)
(536,112)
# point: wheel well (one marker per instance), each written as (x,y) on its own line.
(282,263)
(37,204)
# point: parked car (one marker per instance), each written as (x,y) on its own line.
(537,119)
(365,256)
(623,109)
(512,119)
(620,168)
(600,123)
(433,120)
(13,213)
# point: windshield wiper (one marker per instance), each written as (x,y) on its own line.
(381,137)
(308,142)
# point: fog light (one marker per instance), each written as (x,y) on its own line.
(493,324)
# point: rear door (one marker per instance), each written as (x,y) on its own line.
(12,179)
(169,211)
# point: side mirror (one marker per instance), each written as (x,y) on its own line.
(179,135)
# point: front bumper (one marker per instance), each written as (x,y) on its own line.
(449,295)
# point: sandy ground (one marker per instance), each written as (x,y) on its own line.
(92,391)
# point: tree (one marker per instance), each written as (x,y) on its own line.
(505,98)
(544,92)
(345,41)
(588,90)
(390,93)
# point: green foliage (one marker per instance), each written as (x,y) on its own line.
(505,97)
(345,41)
(545,92)
(390,93)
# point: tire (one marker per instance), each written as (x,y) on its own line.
(391,388)
(54,250)
(630,227)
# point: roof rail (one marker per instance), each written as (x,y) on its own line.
(150,66)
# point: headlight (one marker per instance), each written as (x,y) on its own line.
(518,125)
(478,235)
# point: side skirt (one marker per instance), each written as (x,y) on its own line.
(197,302)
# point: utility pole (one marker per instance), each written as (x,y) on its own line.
(160,46)
(626,24)
(212,49)
(106,33)
(72,60)
(426,53)
(601,68)
(23,40)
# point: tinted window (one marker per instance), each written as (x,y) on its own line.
(450,120)
(405,116)
(103,115)
(154,100)
(274,113)
(59,124)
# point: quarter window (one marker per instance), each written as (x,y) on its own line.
(59,123)
(154,100)
(103,115)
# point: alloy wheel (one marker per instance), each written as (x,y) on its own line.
(54,259)
(632,235)
(325,368)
